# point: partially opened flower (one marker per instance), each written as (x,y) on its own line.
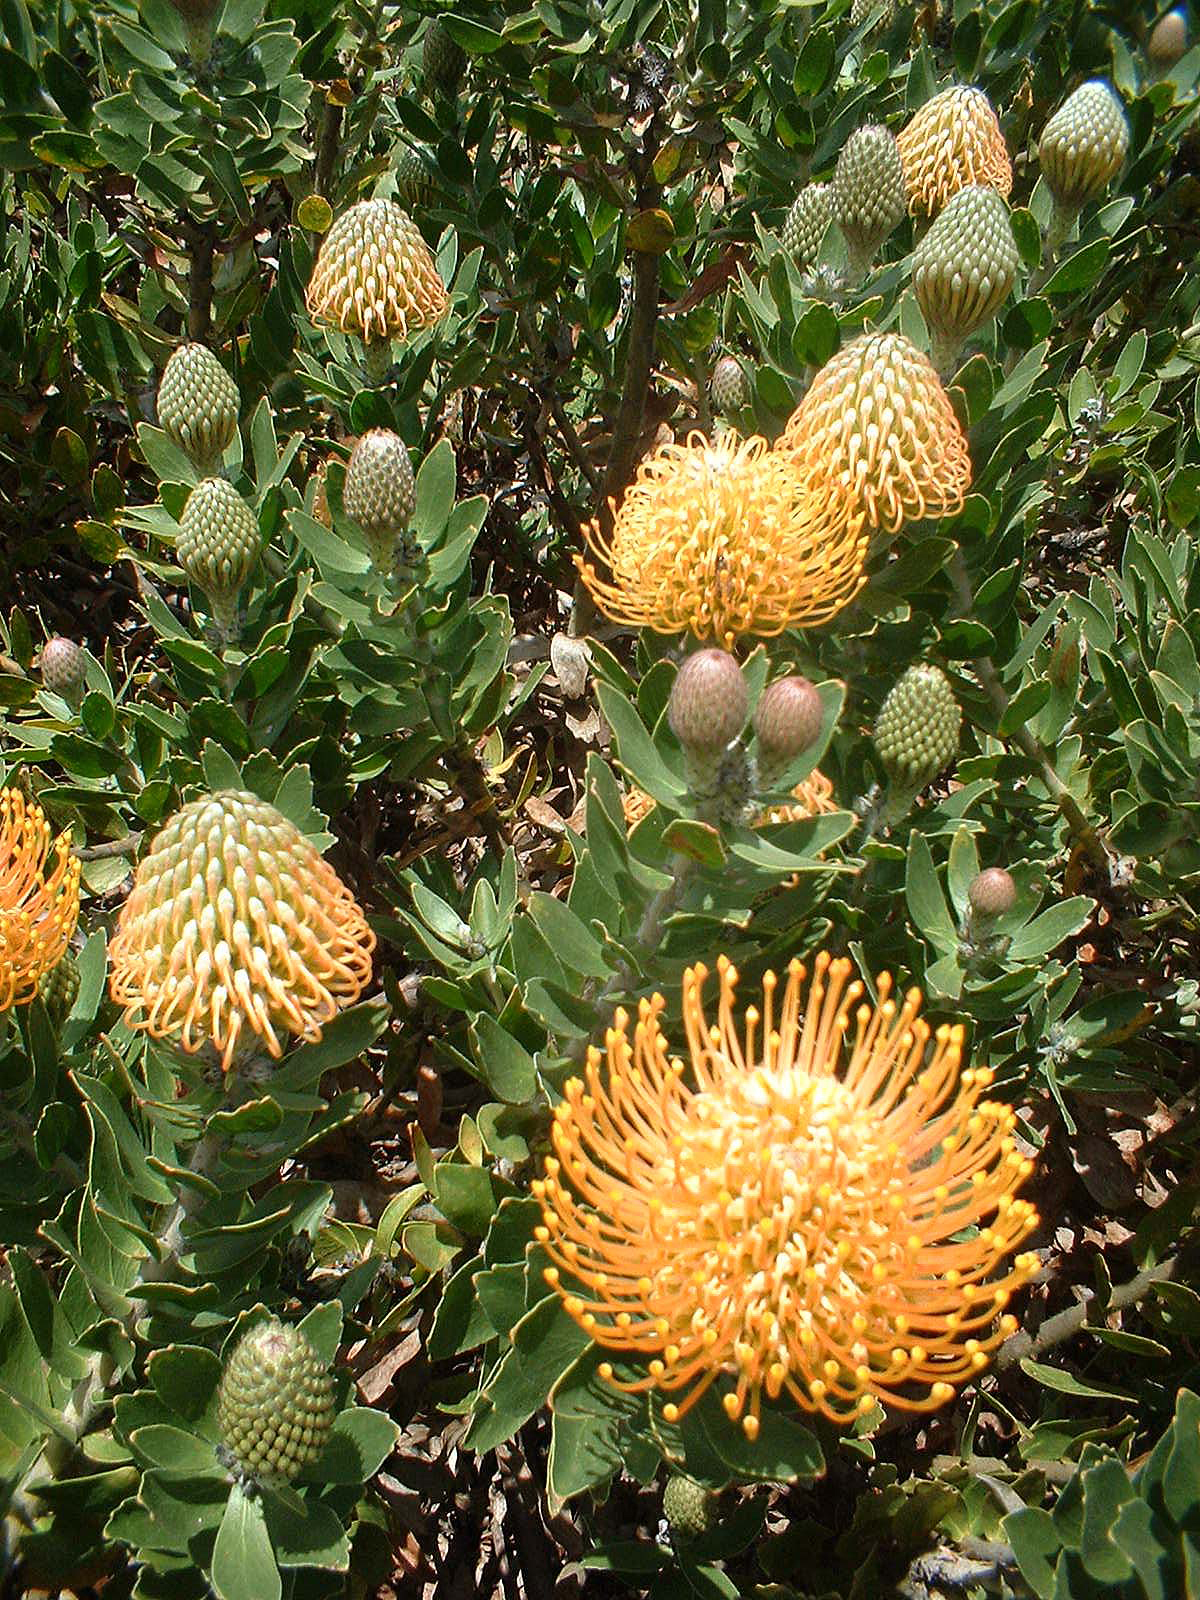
(717,537)
(236,932)
(375,278)
(876,436)
(816,1202)
(39,899)
(811,797)
(952,141)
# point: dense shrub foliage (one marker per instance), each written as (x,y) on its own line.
(600,833)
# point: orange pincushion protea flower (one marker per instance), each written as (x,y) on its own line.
(38,909)
(876,435)
(375,275)
(716,536)
(817,1203)
(954,140)
(235,927)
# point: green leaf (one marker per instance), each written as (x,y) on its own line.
(185,1377)
(636,748)
(360,1441)
(466,1196)
(1065,1383)
(175,1451)
(926,902)
(243,1563)
(310,1537)
(504,1065)
(1080,270)
(1047,932)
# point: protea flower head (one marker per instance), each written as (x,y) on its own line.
(275,1403)
(803,229)
(442,60)
(862,9)
(59,989)
(380,493)
(728,390)
(236,932)
(811,797)
(868,194)
(963,269)
(218,547)
(718,537)
(375,278)
(39,900)
(916,734)
(64,668)
(1168,40)
(1083,145)
(876,438)
(952,141)
(198,406)
(814,1202)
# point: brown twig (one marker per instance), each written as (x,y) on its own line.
(128,846)
(1066,1324)
(329,142)
(201,243)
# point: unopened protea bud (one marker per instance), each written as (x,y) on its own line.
(442,60)
(198,406)
(862,9)
(992,892)
(787,720)
(1168,40)
(1081,149)
(375,278)
(707,710)
(806,222)
(275,1403)
(380,495)
(868,193)
(687,1506)
(414,178)
(728,391)
(64,670)
(964,269)
(916,735)
(59,989)
(218,546)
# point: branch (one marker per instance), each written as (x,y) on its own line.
(201,243)
(1066,1324)
(128,846)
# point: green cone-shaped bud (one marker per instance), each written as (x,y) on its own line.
(806,223)
(728,391)
(992,892)
(687,1506)
(218,546)
(1083,145)
(59,988)
(964,269)
(868,195)
(1168,40)
(787,720)
(414,179)
(198,406)
(862,9)
(275,1403)
(442,61)
(380,493)
(916,734)
(64,670)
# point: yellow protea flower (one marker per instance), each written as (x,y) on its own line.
(38,908)
(236,928)
(811,797)
(876,435)
(954,140)
(816,1201)
(717,537)
(375,276)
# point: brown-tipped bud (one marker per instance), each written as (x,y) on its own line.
(64,670)
(728,390)
(787,720)
(709,701)
(992,892)
(1168,40)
